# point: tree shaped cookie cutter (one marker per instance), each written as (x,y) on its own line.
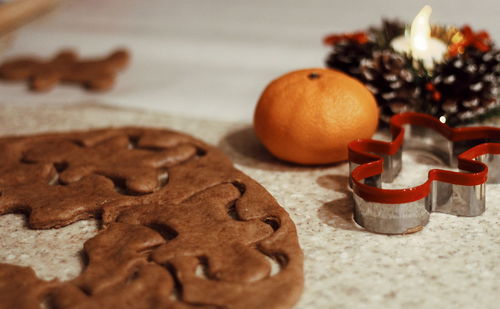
(398,211)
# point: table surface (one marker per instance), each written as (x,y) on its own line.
(451,263)
(210,59)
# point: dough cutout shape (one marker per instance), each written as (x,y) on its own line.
(42,75)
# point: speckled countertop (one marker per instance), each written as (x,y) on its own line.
(454,262)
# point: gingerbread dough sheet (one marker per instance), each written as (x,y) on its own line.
(180,227)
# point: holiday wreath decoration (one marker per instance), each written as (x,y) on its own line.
(461,88)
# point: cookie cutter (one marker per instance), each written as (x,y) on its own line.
(399,211)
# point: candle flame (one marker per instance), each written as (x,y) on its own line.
(419,42)
(420,31)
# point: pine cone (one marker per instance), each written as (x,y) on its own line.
(387,76)
(489,61)
(347,55)
(465,88)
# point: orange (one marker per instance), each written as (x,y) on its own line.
(310,116)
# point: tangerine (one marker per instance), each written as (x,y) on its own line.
(309,116)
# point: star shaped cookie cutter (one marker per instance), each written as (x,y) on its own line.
(399,211)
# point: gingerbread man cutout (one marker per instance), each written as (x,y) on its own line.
(65,67)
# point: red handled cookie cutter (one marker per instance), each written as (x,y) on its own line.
(398,211)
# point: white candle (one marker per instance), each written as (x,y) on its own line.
(420,44)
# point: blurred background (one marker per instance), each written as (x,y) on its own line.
(206,59)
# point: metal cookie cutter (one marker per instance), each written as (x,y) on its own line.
(400,211)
